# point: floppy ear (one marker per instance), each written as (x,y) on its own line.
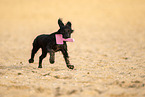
(68,24)
(60,23)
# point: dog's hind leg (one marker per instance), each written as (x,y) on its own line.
(44,53)
(34,50)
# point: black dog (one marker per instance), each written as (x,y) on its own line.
(48,45)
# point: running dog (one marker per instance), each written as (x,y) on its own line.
(48,44)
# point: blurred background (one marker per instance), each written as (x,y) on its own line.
(109,39)
(93,20)
(99,25)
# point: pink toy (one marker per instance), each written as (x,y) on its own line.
(60,39)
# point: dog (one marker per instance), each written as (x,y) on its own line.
(47,42)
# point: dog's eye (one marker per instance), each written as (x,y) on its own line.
(67,31)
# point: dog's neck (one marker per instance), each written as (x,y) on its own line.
(60,39)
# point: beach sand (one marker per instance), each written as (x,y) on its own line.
(108,52)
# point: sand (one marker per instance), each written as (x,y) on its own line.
(108,52)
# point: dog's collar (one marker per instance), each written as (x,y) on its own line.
(60,39)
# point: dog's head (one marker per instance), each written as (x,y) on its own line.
(65,30)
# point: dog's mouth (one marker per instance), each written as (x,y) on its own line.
(66,37)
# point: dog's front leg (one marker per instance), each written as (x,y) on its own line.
(66,57)
(52,55)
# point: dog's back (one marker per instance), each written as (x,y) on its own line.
(43,40)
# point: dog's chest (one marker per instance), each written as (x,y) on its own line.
(58,47)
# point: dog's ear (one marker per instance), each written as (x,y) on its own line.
(60,23)
(68,24)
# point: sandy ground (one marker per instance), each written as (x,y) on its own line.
(108,54)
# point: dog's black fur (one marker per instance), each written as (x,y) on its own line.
(48,45)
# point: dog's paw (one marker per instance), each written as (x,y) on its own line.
(71,67)
(40,66)
(52,62)
(31,60)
